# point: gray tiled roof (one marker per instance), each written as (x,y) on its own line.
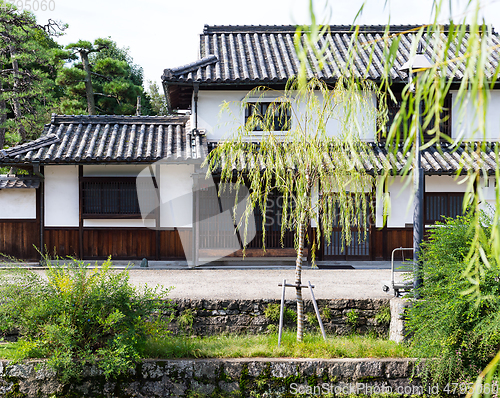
(446,159)
(11,181)
(443,160)
(111,139)
(266,54)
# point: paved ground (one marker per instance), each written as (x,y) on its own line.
(263,283)
(249,280)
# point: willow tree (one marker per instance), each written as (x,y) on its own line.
(315,163)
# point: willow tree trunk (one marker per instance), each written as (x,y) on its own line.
(15,99)
(298,263)
(88,82)
(298,281)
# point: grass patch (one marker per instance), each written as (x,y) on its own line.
(7,351)
(248,346)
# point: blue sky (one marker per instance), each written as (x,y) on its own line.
(164,33)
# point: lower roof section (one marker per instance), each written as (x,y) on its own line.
(435,160)
(111,139)
(18,182)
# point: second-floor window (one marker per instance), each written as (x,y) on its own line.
(268,116)
(445,119)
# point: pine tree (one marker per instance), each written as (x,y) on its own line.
(105,81)
(29,60)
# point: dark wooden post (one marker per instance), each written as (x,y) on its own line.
(196,220)
(42,213)
(157,212)
(80,207)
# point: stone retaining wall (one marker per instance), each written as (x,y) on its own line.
(220,378)
(212,317)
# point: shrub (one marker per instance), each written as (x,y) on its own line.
(446,324)
(312,319)
(185,320)
(383,316)
(326,313)
(352,318)
(272,312)
(79,314)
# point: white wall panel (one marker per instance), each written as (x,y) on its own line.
(465,121)
(61,196)
(401,197)
(17,203)
(176,193)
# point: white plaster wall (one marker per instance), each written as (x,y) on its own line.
(444,184)
(401,205)
(465,121)
(220,123)
(176,192)
(488,201)
(126,170)
(61,196)
(401,197)
(125,223)
(17,203)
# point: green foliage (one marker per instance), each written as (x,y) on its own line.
(326,313)
(332,160)
(156,99)
(383,316)
(352,318)
(272,312)
(272,328)
(312,319)
(79,314)
(185,320)
(29,62)
(446,324)
(295,162)
(116,80)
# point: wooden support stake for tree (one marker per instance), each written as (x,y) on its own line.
(317,310)
(282,308)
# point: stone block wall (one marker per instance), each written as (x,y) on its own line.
(211,317)
(280,377)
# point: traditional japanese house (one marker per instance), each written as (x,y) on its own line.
(79,194)
(234,60)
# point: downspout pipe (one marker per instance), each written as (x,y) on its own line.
(196,88)
(37,171)
(196,197)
